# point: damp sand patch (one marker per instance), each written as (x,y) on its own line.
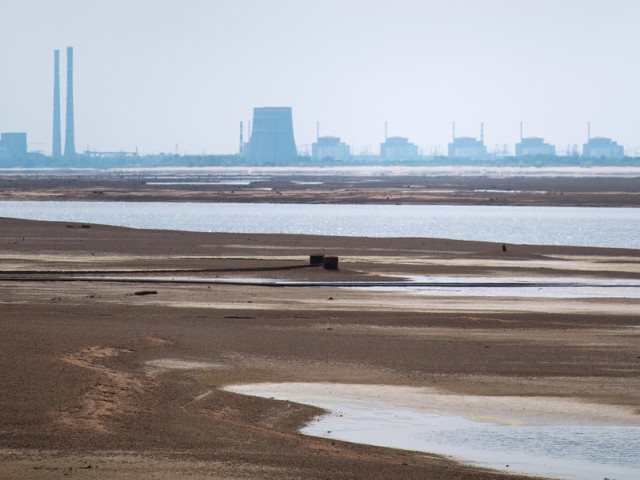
(554,437)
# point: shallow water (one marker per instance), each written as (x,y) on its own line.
(554,443)
(577,226)
(556,287)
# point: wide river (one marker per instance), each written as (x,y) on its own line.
(578,226)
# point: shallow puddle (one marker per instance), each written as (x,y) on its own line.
(573,287)
(558,438)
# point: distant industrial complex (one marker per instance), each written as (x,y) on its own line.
(14,145)
(271,142)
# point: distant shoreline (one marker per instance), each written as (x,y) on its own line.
(562,186)
(107,160)
(424,169)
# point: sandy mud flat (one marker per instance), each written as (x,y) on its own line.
(559,186)
(124,378)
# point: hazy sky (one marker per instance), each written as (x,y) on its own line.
(161,75)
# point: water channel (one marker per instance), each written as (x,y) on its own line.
(577,226)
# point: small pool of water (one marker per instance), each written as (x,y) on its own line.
(557,438)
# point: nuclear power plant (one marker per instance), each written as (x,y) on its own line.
(271,140)
(467,147)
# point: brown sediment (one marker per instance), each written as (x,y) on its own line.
(274,187)
(95,375)
(114,393)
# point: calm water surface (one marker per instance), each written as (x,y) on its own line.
(579,226)
(557,449)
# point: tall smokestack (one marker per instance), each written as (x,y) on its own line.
(56,149)
(69,137)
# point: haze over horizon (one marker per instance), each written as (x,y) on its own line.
(167,76)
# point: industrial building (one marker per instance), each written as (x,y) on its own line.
(56,148)
(398,148)
(13,144)
(600,147)
(69,139)
(330,147)
(533,146)
(69,132)
(467,147)
(271,138)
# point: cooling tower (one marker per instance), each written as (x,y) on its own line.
(56,149)
(69,134)
(272,136)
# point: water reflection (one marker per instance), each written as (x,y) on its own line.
(556,287)
(562,439)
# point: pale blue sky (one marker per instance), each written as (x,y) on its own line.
(156,74)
